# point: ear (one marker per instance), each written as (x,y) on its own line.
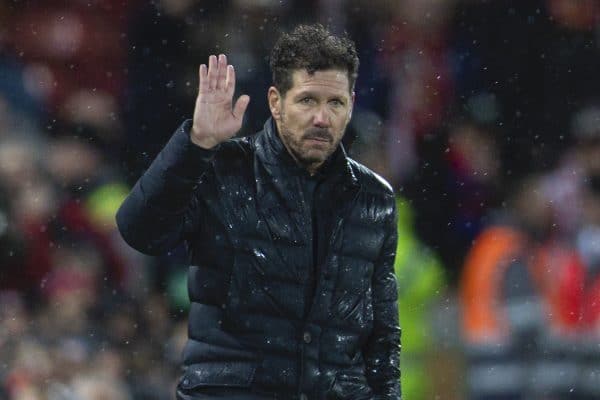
(351,105)
(274,98)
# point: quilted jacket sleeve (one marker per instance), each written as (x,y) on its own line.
(382,350)
(154,216)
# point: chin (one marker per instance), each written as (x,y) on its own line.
(314,157)
(311,161)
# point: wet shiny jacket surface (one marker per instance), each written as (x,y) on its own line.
(247,230)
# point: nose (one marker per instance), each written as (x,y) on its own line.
(321,118)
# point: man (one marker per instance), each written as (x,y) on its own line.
(291,243)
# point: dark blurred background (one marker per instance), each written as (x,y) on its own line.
(484,114)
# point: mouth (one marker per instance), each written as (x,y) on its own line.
(317,140)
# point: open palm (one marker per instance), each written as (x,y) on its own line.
(216,119)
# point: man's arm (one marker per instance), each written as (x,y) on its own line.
(154,216)
(157,212)
(382,351)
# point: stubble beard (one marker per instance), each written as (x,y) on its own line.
(299,153)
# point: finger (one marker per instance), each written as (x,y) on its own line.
(203,85)
(230,80)
(222,71)
(212,72)
(240,106)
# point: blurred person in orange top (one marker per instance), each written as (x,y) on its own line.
(516,312)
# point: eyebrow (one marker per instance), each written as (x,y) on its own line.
(310,93)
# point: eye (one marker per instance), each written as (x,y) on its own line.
(306,100)
(336,102)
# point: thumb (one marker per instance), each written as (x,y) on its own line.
(240,106)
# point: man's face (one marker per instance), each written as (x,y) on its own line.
(313,114)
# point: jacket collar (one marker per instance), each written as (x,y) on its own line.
(278,161)
(274,167)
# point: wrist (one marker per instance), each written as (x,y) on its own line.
(203,142)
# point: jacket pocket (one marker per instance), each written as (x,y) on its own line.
(350,385)
(235,374)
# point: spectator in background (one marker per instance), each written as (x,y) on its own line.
(417,61)
(459,179)
(527,300)
(422,285)
(73,52)
(47,185)
(587,241)
(31,199)
(588,246)
(500,307)
(564,186)
(472,183)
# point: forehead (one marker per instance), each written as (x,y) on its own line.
(334,81)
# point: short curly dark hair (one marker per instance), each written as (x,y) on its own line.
(313,48)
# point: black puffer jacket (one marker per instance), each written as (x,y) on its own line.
(247,232)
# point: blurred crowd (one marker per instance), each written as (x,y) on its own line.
(485,116)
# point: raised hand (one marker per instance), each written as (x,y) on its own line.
(216,119)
